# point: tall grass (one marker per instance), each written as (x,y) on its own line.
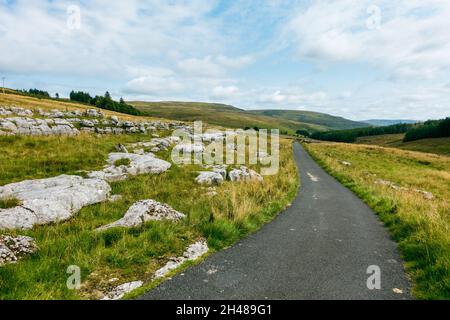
(420,226)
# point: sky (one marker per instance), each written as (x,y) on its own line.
(357,59)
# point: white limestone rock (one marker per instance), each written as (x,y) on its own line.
(49,200)
(140,152)
(193,252)
(139,164)
(8,126)
(87,123)
(345,163)
(144,211)
(244,174)
(110,174)
(93,113)
(115,120)
(6,255)
(221,169)
(189,148)
(213,136)
(209,178)
(120,291)
(14,248)
(425,194)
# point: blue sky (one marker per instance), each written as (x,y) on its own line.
(357,59)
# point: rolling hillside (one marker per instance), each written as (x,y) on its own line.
(321,119)
(225,115)
(435,145)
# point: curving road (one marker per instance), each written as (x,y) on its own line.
(319,248)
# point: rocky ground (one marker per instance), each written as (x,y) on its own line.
(20,121)
(57,199)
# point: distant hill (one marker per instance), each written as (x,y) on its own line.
(321,119)
(382,123)
(229,116)
(435,145)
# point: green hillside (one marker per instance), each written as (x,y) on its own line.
(321,119)
(433,145)
(225,115)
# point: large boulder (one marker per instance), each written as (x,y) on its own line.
(144,211)
(138,164)
(50,200)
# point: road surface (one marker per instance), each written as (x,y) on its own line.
(321,247)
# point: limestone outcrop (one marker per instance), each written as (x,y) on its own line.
(50,200)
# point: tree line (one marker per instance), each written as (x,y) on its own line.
(35,93)
(104,102)
(429,129)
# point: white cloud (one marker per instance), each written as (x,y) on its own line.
(234,63)
(113,35)
(412,40)
(154,86)
(201,67)
(225,92)
(293,97)
(212,66)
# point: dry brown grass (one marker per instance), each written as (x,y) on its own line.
(238,200)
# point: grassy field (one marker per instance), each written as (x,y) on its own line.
(127,254)
(421,227)
(229,116)
(436,145)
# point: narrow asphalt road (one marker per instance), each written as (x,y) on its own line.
(319,248)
